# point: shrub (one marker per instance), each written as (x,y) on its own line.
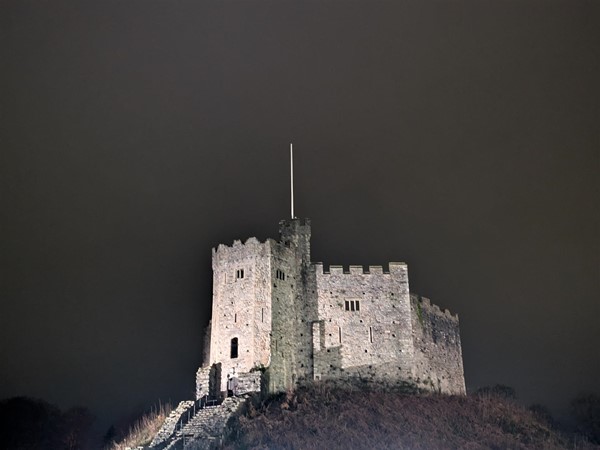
(498,390)
(143,429)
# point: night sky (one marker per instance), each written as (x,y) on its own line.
(461,137)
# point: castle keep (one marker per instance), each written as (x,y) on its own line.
(279,320)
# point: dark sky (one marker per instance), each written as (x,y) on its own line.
(461,137)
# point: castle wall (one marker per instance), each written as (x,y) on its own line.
(290,356)
(241,307)
(364,321)
(301,322)
(202,382)
(438,356)
(283,321)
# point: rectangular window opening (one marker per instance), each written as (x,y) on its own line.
(371,334)
(352,305)
(234,348)
(340,333)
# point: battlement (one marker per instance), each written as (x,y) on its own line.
(432,308)
(394,268)
(290,222)
(237,244)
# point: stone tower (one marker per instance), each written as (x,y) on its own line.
(254,282)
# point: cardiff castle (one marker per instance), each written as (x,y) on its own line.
(280,320)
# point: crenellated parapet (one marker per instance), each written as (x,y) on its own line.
(425,304)
(303,222)
(237,244)
(436,340)
(393,269)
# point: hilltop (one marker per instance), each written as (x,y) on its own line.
(327,416)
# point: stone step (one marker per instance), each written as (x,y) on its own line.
(203,430)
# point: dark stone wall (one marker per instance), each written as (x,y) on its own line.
(437,351)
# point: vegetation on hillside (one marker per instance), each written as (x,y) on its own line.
(142,431)
(326,416)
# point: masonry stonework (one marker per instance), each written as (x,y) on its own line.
(276,312)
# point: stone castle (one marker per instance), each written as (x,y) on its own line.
(279,320)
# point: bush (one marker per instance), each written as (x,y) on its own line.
(142,431)
(498,390)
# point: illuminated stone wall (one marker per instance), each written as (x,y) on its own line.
(241,320)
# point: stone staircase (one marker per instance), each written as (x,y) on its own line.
(205,430)
(198,427)
(170,424)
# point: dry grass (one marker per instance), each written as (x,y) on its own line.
(143,429)
(323,416)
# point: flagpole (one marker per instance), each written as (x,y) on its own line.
(292,178)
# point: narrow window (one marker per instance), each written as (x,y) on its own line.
(239,273)
(262,314)
(340,333)
(234,348)
(235,318)
(371,334)
(352,305)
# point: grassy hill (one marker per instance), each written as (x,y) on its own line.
(326,416)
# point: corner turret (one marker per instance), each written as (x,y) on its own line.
(295,233)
